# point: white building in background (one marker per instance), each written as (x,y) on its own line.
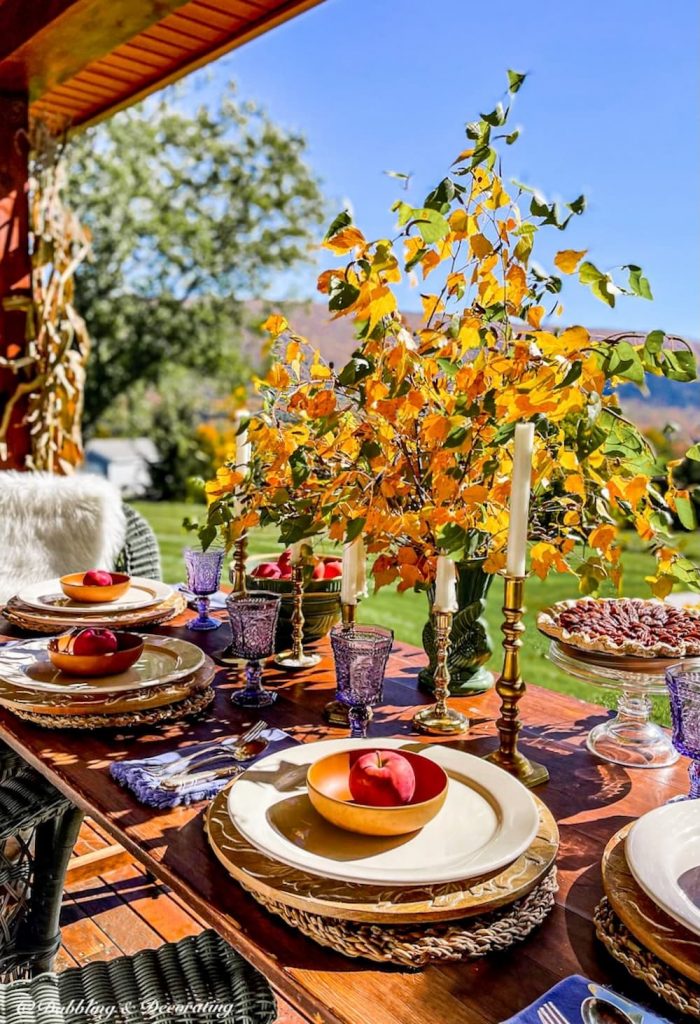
(125,461)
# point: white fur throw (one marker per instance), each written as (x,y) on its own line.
(52,525)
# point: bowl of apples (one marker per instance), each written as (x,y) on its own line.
(95,586)
(95,652)
(321,602)
(377,792)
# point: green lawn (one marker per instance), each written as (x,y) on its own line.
(406,613)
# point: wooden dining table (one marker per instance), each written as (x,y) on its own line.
(589,798)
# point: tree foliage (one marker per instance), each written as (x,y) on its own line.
(189,214)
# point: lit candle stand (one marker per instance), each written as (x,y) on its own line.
(510,685)
(439,719)
(297,657)
(353,587)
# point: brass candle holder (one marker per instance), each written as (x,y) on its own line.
(439,719)
(335,712)
(510,687)
(237,569)
(296,657)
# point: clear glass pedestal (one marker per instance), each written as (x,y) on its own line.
(630,738)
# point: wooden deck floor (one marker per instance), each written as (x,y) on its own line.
(123,912)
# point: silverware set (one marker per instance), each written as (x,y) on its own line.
(189,769)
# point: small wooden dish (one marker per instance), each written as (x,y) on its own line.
(327,785)
(127,654)
(74,588)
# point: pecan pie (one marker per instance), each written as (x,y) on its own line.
(629,626)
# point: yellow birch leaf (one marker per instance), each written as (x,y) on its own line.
(568,259)
(534,316)
(345,240)
(275,324)
(480,246)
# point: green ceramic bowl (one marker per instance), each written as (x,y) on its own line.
(320,605)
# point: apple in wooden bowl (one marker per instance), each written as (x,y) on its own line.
(377,792)
(95,586)
(95,652)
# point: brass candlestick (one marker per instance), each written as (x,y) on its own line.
(510,688)
(296,656)
(335,712)
(237,570)
(439,719)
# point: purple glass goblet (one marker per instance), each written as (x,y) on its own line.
(203,575)
(361,654)
(253,619)
(683,681)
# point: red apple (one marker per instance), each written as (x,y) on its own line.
(285,559)
(333,570)
(382,778)
(319,572)
(267,571)
(97,578)
(285,571)
(94,641)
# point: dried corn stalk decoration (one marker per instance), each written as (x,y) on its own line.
(51,370)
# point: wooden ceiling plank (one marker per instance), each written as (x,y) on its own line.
(183,60)
(186,35)
(85,31)
(206,16)
(119,59)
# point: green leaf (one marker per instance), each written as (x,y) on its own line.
(638,283)
(342,295)
(654,341)
(578,205)
(355,370)
(572,375)
(354,529)
(431,225)
(404,210)
(685,510)
(693,453)
(679,365)
(623,361)
(207,536)
(441,196)
(497,116)
(341,221)
(416,258)
(515,81)
(456,437)
(299,466)
(510,139)
(588,273)
(449,369)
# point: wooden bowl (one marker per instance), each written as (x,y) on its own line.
(327,786)
(127,654)
(74,588)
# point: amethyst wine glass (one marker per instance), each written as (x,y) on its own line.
(683,681)
(361,654)
(253,619)
(203,575)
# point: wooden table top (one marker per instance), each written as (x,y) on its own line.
(591,801)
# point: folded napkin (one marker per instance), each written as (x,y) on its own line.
(564,1002)
(148,789)
(217,601)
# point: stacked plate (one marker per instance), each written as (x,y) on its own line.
(171,678)
(44,608)
(489,845)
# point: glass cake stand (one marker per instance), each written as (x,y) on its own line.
(630,738)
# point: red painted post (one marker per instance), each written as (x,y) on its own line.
(15,270)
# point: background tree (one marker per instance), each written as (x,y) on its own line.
(190,215)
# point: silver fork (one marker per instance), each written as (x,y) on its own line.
(551,1014)
(180,766)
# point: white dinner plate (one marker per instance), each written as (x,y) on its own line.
(663,853)
(49,597)
(25,664)
(487,820)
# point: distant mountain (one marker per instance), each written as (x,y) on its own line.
(667,401)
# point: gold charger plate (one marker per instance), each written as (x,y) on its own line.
(35,702)
(25,664)
(650,925)
(274,882)
(26,617)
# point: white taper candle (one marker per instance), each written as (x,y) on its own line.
(445,585)
(520,499)
(361,574)
(348,583)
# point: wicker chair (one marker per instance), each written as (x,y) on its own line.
(195,981)
(38,826)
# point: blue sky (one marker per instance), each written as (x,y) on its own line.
(610,109)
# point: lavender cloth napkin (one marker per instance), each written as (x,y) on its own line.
(147,788)
(568,998)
